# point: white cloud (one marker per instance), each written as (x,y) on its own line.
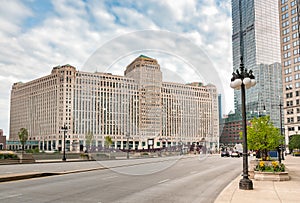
(12,15)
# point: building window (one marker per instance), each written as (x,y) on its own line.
(287,55)
(286,31)
(285,15)
(286,39)
(287,71)
(289,95)
(288,79)
(295,27)
(286,47)
(295,19)
(287,63)
(291,128)
(286,23)
(289,103)
(294,11)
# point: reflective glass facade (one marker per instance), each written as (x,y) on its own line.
(261,45)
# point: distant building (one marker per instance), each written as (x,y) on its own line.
(138,107)
(2,140)
(231,126)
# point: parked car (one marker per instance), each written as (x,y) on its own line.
(225,154)
(235,154)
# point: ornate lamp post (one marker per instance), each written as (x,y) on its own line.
(240,80)
(64,129)
(281,131)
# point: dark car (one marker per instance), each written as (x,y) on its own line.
(224,154)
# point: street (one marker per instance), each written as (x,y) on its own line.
(191,179)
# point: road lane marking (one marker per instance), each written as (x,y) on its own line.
(11,196)
(109,177)
(163,181)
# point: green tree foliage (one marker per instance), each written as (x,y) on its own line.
(108,141)
(23,137)
(294,142)
(89,137)
(263,136)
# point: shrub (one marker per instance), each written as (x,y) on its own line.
(8,156)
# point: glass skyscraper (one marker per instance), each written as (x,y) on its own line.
(261,54)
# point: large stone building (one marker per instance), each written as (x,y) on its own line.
(260,45)
(138,107)
(290,57)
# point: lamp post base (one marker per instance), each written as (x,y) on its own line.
(246,184)
(64,159)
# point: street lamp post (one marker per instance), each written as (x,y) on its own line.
(240,80)
(64,129)
(127,144)
(281,132)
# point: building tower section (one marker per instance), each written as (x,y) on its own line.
(146,73)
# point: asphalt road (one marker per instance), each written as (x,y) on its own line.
(184,180)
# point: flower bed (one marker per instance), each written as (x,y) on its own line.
(270,171)
(270,166)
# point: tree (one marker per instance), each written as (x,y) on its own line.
(89,137)
(263,135)
(294,142)
(23,137)
(108,142)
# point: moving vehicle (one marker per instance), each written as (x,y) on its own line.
(225,154)
(235,154)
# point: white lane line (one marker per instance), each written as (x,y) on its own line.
(11,196)
(163,181)
(109,177)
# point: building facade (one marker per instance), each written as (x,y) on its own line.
(289,33)
(2,140)
(138,108)
(260,44)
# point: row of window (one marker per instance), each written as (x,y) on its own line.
(291,120)
(288,62)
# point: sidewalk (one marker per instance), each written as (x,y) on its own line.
(266,191)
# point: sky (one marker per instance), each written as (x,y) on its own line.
(191,40)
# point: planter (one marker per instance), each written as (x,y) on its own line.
(271,176)
(252,165)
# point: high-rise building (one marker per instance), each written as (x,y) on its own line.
(260,44)
(290,57)
(138,107)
